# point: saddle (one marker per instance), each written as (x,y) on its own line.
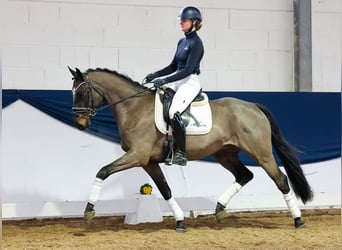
(196,118)
(166,97)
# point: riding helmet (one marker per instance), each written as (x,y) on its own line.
(190,12)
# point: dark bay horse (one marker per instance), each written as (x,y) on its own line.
(237,125)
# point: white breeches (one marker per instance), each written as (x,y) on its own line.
(186,91)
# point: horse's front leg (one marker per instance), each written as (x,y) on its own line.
(128,160)
(154,170)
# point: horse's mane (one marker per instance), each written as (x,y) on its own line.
(113,72)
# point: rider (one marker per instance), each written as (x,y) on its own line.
(185,82)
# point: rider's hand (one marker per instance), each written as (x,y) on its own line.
(159,82)
(150,77)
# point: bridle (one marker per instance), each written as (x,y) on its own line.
(91,110)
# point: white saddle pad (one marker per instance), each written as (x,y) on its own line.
(201,111)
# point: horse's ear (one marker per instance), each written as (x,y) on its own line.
(73,72)
(79,74)
(76,74)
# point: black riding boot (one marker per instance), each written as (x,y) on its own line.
(178,129)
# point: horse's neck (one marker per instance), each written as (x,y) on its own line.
(124,98)
(114,88)
(119,89)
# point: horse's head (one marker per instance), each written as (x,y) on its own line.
(85,99)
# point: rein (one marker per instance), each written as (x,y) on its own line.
(91,110)
(124,99)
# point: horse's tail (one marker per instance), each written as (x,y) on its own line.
(290,161)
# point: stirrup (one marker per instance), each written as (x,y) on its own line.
(179,158)
(169,158)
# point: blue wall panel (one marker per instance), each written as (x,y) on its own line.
(311,122)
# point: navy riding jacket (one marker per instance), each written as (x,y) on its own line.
(186,60)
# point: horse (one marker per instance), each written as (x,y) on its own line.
(236,125)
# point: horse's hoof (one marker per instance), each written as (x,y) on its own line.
(88,215)
(298,223)
(180,227)
(180,230)
(220,216)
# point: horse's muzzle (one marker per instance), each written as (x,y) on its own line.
(81,122)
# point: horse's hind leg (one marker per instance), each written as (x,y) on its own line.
(229,160)
(270,166)
(153,169)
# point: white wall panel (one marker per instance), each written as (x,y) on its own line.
(261,20)
(45,13)
(327,5)
(233,80)
(215,19)
(33,77)
(217,60)
(274,61)
(259,80)
(241,39)
(208,80)
(23,34)
(59,35)
(243,60)
(247,4)
(81,56)
(83,15)
(158,17)
(44,57)
(262,27)
(89,36)
(14,13)
(57,78)
(281,40)
(132,17)
(280,78)
(133,58)
(104,58)
(16,57)
(326,45)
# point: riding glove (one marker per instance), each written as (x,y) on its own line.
(159,82)
(150,77)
